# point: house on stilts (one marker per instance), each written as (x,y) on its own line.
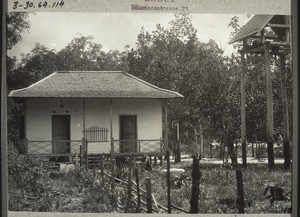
(93,112)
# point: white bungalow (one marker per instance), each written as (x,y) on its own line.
(110,111)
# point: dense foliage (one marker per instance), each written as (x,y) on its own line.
(171,58)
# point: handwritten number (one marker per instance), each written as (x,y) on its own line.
(15,5)
(27,5)
(44,4)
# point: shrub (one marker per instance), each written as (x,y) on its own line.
(24,174)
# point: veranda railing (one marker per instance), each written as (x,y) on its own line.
(51,147)
(124,147)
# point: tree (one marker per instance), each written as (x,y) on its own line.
(82,53)
(17,23)
(175,59)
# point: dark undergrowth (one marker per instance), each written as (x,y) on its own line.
(33,188)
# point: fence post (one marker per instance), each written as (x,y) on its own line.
(137,180)
(240,191)
(168,181)
(195,185)
(149,194)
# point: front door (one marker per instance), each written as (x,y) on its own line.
(61,134)
(128,133)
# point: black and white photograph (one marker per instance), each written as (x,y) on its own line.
(165,113)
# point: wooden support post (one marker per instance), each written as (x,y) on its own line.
(240,191)
(196,141)
(177,143)
(285,110)
(83,118)
(85,148)
(256,129)
(26,145)
(112,151)
(166,139)
(76,161)
(94,166)
(149,194)
(129,189)
(195,185)
(113,173)
(168,182)
(161,161)
(80,155)
(201,145)
(243,110)
(137,180)
(269,107)
(102,169)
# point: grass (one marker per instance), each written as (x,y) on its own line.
(78,191)
(218,188)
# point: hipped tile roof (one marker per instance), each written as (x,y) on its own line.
(93,84)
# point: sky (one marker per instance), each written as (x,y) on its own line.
(115,30)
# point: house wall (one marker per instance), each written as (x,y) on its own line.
(97,113)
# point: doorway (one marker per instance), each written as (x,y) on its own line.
(128,133)
(61,134)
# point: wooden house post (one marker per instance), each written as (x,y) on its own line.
(166,139)
(269,106)
(112,151)
(168,158)
(83,118)
(201,148)
(285,110)
(243,110)
(26,145)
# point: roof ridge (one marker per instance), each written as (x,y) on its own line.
(151,85)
